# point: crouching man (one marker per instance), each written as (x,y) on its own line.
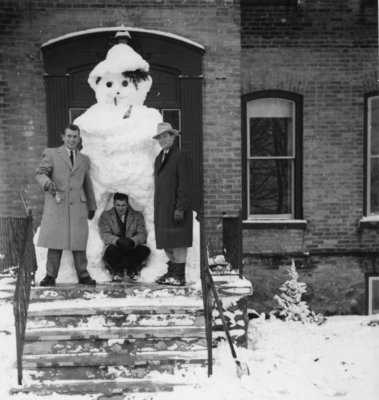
(124,234)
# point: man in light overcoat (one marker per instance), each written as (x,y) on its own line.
(64,175)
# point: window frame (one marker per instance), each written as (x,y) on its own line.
(367,143)
(298,146)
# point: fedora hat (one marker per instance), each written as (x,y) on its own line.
(165,127)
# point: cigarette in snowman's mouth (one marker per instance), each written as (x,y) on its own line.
(115,101)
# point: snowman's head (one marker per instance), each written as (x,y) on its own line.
(122,79)
(123,89)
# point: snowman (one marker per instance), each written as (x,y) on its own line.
(117,135)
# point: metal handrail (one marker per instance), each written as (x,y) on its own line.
(234,233)
(25,277)
(242,368)
(207,296)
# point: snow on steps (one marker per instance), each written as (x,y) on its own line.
(102,388)
(113,339)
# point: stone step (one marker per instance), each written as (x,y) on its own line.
(139,369)
(129,359)
(112,345)
(110,290)
(147,305)
(104,387)
(118,318)
(115,333)
(126,306)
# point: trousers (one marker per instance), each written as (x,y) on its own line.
(177,255)
(53,262)
(130,260)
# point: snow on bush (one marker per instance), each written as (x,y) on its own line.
(290,306)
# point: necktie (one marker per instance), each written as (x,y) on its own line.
(72,157)
(164,156)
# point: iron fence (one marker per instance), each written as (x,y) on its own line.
(25,277)
(12,232)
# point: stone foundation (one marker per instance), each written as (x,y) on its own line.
(335,283)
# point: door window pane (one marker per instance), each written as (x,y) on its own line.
(75,113)
(173,117)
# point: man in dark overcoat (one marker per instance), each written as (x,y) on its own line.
(64,175)
(123,231)
(173,174)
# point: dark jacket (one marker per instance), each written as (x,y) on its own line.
(110,230)
(173,190)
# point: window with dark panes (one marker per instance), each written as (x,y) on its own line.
(273,157)
(373,155)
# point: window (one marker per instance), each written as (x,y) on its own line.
(372,153)
(272,155)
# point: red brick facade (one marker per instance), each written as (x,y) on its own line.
(26,25)
(324,50)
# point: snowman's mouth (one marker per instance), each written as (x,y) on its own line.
(115,101)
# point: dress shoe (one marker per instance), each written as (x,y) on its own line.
(163,278)
(117,278)
(134,276)
(48,281)
(87,281)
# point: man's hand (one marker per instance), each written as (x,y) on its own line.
(50,187)
(91,214)
(125,243)
(178,216)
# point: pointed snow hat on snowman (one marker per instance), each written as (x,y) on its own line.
(121,59)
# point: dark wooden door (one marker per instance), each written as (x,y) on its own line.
(176,69)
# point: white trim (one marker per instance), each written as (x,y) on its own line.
(122,28)
(274,221)
(371,281)
(370,218)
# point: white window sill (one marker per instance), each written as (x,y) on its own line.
(274,224)
(371,222)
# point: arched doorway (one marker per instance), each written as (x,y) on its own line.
(175,66)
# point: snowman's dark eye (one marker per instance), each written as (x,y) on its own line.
(125,83)
(109,84)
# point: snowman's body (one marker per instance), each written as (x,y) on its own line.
(122,151)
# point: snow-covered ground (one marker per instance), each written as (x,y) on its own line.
(287,361)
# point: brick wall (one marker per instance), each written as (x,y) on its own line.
(25,25)
(327,52)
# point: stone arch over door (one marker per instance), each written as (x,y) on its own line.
(175,66)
